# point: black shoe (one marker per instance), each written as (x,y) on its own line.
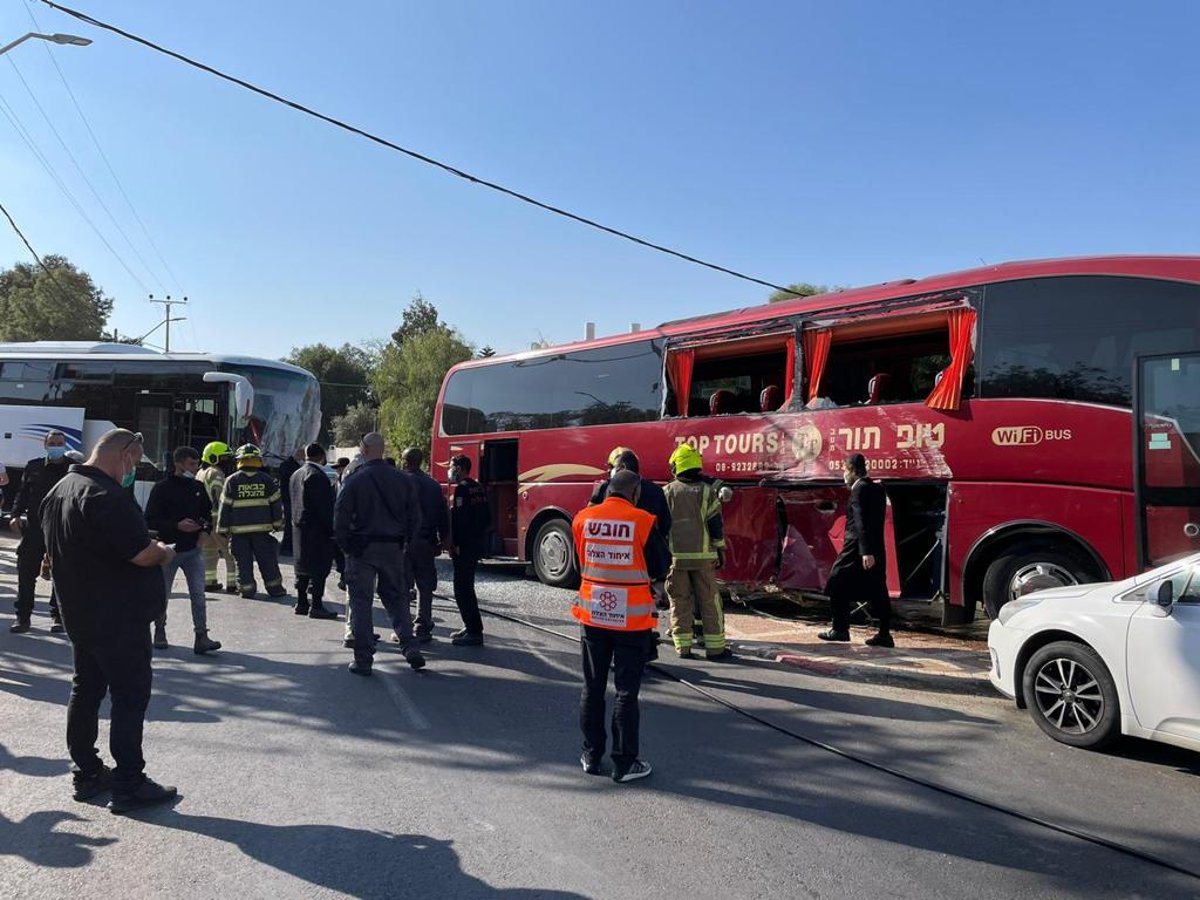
(248,595)
(56,627)
(590,766)
(160,638)
(204,644)
(148,793)
(360,668)
(318,611)
(424,638)
(300,610)
(883,639)
(91,785)
(468,640)
(232,589)
(415,659)
(20,626)
(462,632)
(832,635)
(638,770)
(212,587)
(725,655)
(277,592)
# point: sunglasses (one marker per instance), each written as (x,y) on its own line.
(136,439)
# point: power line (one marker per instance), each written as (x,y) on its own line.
(104,156)
(34,254)
(421,157)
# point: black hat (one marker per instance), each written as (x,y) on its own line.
(857,463)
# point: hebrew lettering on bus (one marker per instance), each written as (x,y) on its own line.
(921,436)
(863,438)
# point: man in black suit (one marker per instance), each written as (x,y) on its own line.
(312,498)
(860,571)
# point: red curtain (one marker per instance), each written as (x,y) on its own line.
(948,393)
(816,354)
(789,378)
(679,372)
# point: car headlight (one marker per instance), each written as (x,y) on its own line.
(1012,607)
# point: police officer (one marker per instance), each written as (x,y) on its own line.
(375,516)
(420,568)
(313,497)
(698,551)
(216,464)
(251,509)
(39,477)
(470,519)
(620,553)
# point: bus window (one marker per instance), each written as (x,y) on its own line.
(25,382)
(1075,337)
(901,368)
(735,384)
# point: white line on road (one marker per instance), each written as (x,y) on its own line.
(403,702)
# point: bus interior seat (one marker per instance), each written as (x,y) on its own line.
(722,403)
(877,388)
(770,399)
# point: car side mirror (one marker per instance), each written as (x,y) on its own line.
(1164,594)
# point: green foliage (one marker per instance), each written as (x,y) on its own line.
(351,425)
(421,317)
(407,382)
(60,305)
(345,376)
(800,289)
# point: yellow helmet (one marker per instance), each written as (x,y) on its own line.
(249,455)
(214,450)
(615,455)
(685,458)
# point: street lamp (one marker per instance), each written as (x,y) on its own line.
(73,39)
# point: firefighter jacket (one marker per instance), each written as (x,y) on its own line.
(697,529)
(613,541)
(250,504)
(213,480)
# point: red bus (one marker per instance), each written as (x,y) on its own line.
(996,405)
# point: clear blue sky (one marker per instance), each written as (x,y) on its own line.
(839,143)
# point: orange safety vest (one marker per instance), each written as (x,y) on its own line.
(610,541)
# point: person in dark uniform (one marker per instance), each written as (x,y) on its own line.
(287,469)
(39,477)
(470,520)
(375,516)
(312,498)
(420,568)
(110,586)
(860,571)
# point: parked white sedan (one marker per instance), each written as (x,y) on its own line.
(1094,661)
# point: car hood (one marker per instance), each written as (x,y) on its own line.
(1069,592)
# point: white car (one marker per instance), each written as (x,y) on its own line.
(1094,661)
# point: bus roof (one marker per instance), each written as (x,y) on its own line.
(74,351)
(1175,268)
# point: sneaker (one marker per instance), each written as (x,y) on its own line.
(725,655)
(468,640)
(590,766)
(415,659)
(148,793)
(160,638)
(91,785)
(360,668)
(56,627)
(883,639)
(462,632)
(832,635)
(319,611)
(638,770)
(204,644)
(20,626)
(212,587)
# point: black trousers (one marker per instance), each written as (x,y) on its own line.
(30,553)
(313,562)
(420,569)
(626,652)
(854,584)
(120,667)
(464,591)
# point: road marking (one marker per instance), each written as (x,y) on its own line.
(403,702)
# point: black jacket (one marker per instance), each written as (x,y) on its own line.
(651,499)
(866,512)
(470,518)
(39,477)
(435,521)
(312,499)
(172,500)
(377,504)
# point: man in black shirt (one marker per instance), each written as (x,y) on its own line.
(420,567)
(110,588)
(39,477)
(470,520)
(312,527)
(860,571)
(179,511)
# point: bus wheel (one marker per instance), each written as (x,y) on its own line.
(1031,567)
(554,555)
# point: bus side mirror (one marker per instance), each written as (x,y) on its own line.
(1164,594)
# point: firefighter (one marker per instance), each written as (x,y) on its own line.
(697,551)
(251,509)
(216,464)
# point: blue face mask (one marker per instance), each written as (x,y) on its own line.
(56,453)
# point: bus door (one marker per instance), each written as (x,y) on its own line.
(1167,456)
(153,418)
(498,474)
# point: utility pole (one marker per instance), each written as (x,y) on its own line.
(167,320)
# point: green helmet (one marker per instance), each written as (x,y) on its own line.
(248,451)
(214,450)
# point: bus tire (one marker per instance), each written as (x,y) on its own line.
(1031,565)
(554,560)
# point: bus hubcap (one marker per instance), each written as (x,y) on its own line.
(1068,696)
(554,554)
(1036,576)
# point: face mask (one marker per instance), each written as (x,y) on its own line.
(187,473)
(56,453)
(455,478)
(848,477)
(128,480)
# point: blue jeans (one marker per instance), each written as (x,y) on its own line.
(191,562)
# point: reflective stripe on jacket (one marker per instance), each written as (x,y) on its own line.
(610,541)
(697,531)
(250,504)
(213,480)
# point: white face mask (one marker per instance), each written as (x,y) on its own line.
(187,473)
(848,476)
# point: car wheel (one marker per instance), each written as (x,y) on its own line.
(1071,695)
(1028,567)
(554,555)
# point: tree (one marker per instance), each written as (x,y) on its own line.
(800,289)
(407,382)
(420,317)
(351,425)
(486,351)
(62,304)
(345,376)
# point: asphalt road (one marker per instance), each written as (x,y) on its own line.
(301,780)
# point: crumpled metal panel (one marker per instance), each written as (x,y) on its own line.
(816,522)
(751,536)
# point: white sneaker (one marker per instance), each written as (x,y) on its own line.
(639,769)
